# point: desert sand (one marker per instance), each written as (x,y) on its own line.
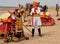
(50,34)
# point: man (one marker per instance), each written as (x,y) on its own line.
(36,21)
(21,10)
(57,9)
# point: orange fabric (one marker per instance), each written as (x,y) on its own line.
(44,16)
(8,20)
(36,3)
(5,30)
(4,20)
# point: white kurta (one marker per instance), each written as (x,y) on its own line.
(36,20)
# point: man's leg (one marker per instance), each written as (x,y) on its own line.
(39,31)
(33,32)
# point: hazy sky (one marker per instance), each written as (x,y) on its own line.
(23,2)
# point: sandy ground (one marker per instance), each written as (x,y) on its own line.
(51,34)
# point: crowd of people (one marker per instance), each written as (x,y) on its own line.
(39,14)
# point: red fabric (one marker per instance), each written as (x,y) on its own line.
(1,26)
(35,9)
(58,18)
(49,21)
(6,28)
(32,13)
(13,23)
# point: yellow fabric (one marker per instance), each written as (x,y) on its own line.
(4,16)
(47,15)
(19,23)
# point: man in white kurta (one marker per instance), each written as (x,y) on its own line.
(36,21)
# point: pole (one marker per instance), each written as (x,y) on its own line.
(27,28)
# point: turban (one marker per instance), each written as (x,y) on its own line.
(36,3)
